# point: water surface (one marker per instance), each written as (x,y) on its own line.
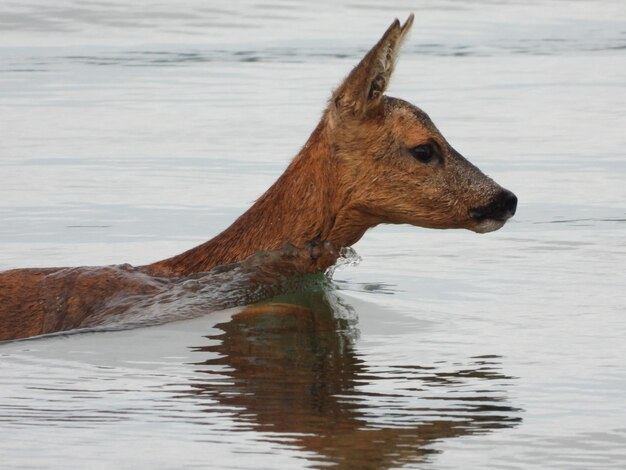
(133,132)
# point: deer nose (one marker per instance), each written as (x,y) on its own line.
(509,201)
(501,207)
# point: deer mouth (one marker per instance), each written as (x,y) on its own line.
(487,225)
(494,215)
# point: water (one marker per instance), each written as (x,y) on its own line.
(133,132)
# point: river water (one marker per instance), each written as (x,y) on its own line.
(133,131)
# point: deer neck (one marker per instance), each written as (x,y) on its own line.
(303,205)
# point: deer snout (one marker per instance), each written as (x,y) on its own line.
(493,215)
(510,202)
(502,207)
(505,205)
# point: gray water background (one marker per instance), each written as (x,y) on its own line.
(133,131)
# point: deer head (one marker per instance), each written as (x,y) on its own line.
(393,164)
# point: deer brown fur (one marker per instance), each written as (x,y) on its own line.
(372,159)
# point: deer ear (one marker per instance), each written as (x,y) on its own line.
(362,91)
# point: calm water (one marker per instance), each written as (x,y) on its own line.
(131,132)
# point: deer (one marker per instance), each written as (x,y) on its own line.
(372,159)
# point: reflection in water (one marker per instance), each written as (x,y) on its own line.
(291,369)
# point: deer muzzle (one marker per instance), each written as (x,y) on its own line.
(495,214)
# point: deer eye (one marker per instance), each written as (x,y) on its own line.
(424,153)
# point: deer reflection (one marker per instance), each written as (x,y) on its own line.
(290,369)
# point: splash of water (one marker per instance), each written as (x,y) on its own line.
(348,257)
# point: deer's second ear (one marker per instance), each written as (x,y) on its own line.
(362,91)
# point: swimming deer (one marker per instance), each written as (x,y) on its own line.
(372,159)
